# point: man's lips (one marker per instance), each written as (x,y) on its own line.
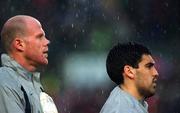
(45,53)
(154,82)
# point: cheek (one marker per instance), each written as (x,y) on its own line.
(144,78)
(35,47)
(148,81)
(33,51)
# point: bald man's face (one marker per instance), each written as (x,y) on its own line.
(36,44)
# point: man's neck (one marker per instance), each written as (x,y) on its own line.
(23,62)
(132,91)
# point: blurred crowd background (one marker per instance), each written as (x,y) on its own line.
(82,32)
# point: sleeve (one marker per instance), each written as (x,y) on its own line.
(10,101)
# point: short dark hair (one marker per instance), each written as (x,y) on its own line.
(124,54)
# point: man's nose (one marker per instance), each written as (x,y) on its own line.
(155,72)
(47,41)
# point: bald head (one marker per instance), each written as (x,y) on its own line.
(14,27)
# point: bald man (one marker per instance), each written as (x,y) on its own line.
(26,52)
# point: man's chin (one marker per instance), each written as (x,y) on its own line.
(41,65)
(45,62)
(152,92)
(148,93)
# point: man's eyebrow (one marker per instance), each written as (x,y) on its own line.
(40,35)
(150,64)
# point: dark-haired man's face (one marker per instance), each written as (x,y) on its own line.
(146,76)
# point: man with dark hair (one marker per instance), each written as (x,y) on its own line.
(26,52)
(131,67)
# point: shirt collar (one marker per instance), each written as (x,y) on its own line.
(134,101)
(7,61)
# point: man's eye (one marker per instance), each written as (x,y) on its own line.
(150,65)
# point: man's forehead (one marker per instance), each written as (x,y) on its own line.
(147,59)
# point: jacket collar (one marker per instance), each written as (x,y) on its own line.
(7,61)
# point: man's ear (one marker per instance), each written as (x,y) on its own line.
(129,71)
(18,44)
